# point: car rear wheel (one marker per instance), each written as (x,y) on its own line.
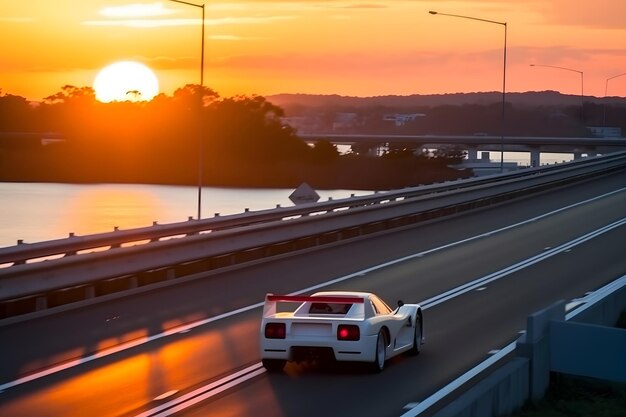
(417,339)
(379,360)
(273,365)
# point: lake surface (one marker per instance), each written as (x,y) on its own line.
(36,212)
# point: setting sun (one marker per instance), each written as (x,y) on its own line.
(126,81)
(367,48)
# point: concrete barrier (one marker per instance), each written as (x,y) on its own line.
(553,342)
(588,350)
(501,393)
(535,346)
(256,240)
(76,245)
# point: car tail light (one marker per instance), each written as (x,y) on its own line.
(348,332)
(275,331)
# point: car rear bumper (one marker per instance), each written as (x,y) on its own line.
(362,350)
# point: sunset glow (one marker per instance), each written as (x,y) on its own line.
(318,47)
(125,81)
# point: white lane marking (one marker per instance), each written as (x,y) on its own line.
(166,395)
(204,392)
(122,347)
(590,300)
(481,289)
(462,289)
(189,326)
(497,354)
(454,385)
(450,245)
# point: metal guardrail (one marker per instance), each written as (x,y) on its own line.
(223,242)
(76,245)
(501,392)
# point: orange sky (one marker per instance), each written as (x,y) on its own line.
(359,47)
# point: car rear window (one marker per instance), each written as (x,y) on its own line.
(329,308)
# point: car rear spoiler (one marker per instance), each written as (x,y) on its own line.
(271,300)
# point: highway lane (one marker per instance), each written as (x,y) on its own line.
(460,333)
(127,381)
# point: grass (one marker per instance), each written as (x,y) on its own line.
(570,396)
(579,397)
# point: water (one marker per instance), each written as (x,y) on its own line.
(523,158)
(36,212)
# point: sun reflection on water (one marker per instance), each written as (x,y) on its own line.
(103,208)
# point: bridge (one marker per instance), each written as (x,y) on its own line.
(475,143)
(472,144)
(157,320)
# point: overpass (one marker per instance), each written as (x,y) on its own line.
(473,144)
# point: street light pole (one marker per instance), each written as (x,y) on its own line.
(606,89)
(582,87)
(503,76)
(201,150)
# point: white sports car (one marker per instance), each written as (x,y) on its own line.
(339,325)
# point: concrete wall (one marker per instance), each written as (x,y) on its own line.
(588,350)
(501,393)
(585,343)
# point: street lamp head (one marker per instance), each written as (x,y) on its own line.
(432,12)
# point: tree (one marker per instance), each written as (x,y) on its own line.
(324,151)
(195,96)
(15,114)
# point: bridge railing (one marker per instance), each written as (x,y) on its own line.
(77,245)
(122,270)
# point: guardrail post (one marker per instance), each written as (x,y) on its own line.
(535,345)
(90,291)
(41,303)
(535,156)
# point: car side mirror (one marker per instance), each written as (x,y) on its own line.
(400,303)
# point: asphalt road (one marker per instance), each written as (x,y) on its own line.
(414,265)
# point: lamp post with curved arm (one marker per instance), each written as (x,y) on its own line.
(201,150)
(582,86)
(606,89)
(503,75)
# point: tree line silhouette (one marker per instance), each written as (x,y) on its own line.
(532,113)
(238,141)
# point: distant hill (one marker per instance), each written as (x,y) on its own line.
(531,98)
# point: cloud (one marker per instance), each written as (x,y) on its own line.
(555,55)
(169,63)
(136,10)
(154,23)
(593,14)
(142,23)
(364,6)
(237,38)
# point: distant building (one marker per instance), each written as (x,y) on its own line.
(302,124)
(402,119)
(605,131)
(345,122)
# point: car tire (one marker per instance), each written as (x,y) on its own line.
(273,365)
(417,339)
(379,358)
